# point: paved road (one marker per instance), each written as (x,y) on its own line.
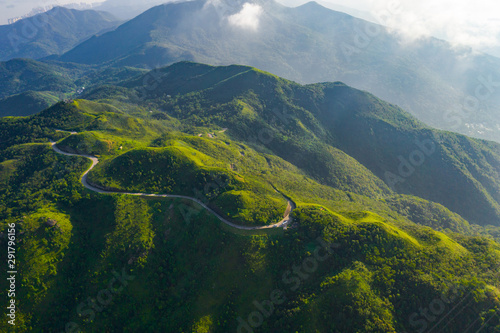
(84,180)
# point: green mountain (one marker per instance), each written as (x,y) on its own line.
(359,255)
(53,32)
(335,133)
(26,104)
(21,75)
(442,85)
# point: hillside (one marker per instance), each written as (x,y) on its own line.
(24,81)
(428,77)
(360,252)
(337,134)
(53,32)
(26,104)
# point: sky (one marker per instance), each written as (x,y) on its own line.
(461,22)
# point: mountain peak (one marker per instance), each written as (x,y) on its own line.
(311,4)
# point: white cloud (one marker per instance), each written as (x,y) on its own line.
(462,22)
(248,17)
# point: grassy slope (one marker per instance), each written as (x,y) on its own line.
(28,85)
(339,136)
(201,274)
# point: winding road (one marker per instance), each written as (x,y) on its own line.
(84,179)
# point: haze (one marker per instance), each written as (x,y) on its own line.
(461,22)
(11,8)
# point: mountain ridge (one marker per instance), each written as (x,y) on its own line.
(230,137)
(291,40)
(51,33)
(339,120)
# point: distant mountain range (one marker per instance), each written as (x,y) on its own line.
(53,32)
(365,15)
(128,9)
(449,88)
(40,10)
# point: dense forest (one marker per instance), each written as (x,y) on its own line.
(360,256)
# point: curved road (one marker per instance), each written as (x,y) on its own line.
(84,180)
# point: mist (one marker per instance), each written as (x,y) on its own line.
(475,24)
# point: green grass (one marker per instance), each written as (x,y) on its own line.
(183,170)
(44,248)
(7,168)
(193,272)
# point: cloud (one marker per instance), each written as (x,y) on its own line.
(248,17)
(461,22)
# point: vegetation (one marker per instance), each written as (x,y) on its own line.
(53,32)
(23,75)
(359,256)
(30,86)
(298,44)
(26,104)
(335,134)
